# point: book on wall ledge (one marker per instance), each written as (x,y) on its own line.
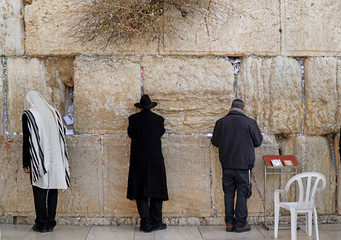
(276,163)
(288,163)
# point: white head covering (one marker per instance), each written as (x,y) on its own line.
(34,101)
(52,141)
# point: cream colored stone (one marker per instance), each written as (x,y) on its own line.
(85,196)
(256,201)
(16,197)
(50,25)
(271,89)
(311,28)
(187,163)
(233,28)
(116,151)
(11,28)
(106,89)
(26,74)
(192,93)
(322,88)
(314,155)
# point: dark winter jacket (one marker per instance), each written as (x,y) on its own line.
(147,174)
(236,136)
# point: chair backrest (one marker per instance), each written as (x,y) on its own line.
(306,189)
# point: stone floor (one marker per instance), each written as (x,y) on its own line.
(16,232)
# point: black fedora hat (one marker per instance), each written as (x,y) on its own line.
(145,102)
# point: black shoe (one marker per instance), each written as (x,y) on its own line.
(246,228)
(142,229)
(34,228)
(50,230)
(162,226)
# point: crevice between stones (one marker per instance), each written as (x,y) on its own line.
(235,61)
(211,182)
(141,75)
(301,62)
(4,89)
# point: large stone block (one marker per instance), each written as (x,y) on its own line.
(311,28)
(192,93)
(322,91)
(85,196)
(116,150)
(232,28)
(256,201)
(187,163)
(16,197)
(11,28)
(26,74)
(50,25)
(314,155)
(106,89)
(271,89)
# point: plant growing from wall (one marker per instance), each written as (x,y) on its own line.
(125,20)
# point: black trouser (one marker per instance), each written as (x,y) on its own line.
(236,180)
(45,202)
(151,214)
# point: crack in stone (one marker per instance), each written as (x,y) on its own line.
(301,62)
(4,89)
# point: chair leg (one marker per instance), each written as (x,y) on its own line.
(309,223)
(316,225)
(276,215)
(293,215)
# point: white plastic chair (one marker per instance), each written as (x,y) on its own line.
(305,202)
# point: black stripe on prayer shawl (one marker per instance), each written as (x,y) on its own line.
(36,157)
(61,135)
(36,132)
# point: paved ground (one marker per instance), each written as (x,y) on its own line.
(16,232)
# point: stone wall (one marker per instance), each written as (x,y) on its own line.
(283,58)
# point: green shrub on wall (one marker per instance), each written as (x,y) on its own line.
(116,20)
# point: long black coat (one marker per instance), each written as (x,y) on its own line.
(147,173)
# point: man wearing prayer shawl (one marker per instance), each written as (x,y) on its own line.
(44,157)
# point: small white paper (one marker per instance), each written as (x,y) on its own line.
(69,132)
(68,119)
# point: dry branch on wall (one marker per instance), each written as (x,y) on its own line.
(125,20)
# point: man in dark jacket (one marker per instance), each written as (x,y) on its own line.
(147,173)
(236,136)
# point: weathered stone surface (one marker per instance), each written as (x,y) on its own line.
(322,88)
(16,197)
(11,28)
(192,93)
(116,150)
(2,75)
(311,28)
(314,155)
(26,74)
(336,142)
(85,196)
(234,28)
(271,89)
(106,89)
(187,163)
(49,30)
(256,201)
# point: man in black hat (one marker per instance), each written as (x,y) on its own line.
(236,136)
(147,173)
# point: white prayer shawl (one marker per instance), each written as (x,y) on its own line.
(49,163)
